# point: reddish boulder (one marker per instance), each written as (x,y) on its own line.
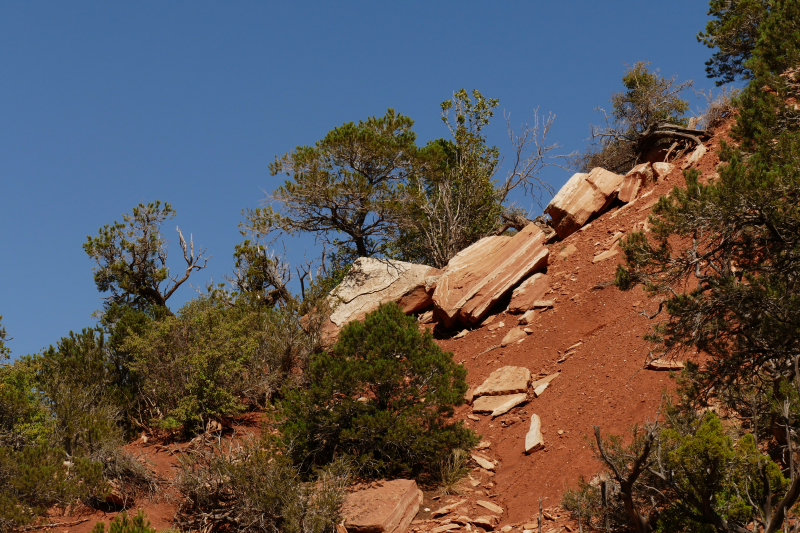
(388,507)
(581,197)
(531,290)
(477,277)
(638,177)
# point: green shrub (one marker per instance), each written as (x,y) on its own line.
(216,357)
(122,523)
(383,395)
(36,478)
(256,488)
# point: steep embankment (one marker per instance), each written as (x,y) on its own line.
(602,383)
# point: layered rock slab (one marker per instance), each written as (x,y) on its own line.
(505,380)
(581,197)
(387,508)
(478,276)
(531,290)
(498,405)
(372,282)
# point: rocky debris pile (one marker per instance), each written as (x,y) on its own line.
(386,507)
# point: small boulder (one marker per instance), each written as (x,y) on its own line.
(534,439)
(638,177)
(531,290)
(498,405)
(505,380)
(696,156)
(662,170)
(581,197)
(388,507)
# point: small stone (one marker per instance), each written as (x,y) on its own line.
(496,326)
(446,527)
(482,445)
(538,383)
(527,318)
(567,251)
(498,405)
(529,525)
(486,522)
(534,439)
(483,463)
(506,529)
(663,364)
(560,431)
(475,418)
(527,330)
(543,303)
(513,336)
(540,389)
(574,346)
(462,334)
(447,509)
(608,254)
(493,507)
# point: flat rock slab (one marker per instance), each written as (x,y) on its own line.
(388,507)
(486,522)
(493,507)
(527,318)
(534,439)
(505,380)
(531,290)
(483,462)
(498,405)
(545,380)
(478,276)
(605,255)
(664,364)
(447,509)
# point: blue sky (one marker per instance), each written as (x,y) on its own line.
(107,104)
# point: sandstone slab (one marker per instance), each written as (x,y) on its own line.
(534,439)
(547,379)
(447,509)
(486,522)
(388,507)
(531,290)
(372,282)
(505,380)
(446,527)
(514,335)
(608,254)
(540,389)
(638,177)
(498,405)
(483,462)
(493,507)
(581,197)
(665,364)
(477,277)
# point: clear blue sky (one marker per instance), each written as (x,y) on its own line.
(107,104)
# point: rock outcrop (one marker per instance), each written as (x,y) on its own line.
(478,276)
(372,282)
(581,197)
(388,507)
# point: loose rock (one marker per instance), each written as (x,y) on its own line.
(493,507)
(531,290)
(483,463)
(505,380)
(581,197)
(534,439)
(527,318)
(498,405)
(387,508)
(513,336)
